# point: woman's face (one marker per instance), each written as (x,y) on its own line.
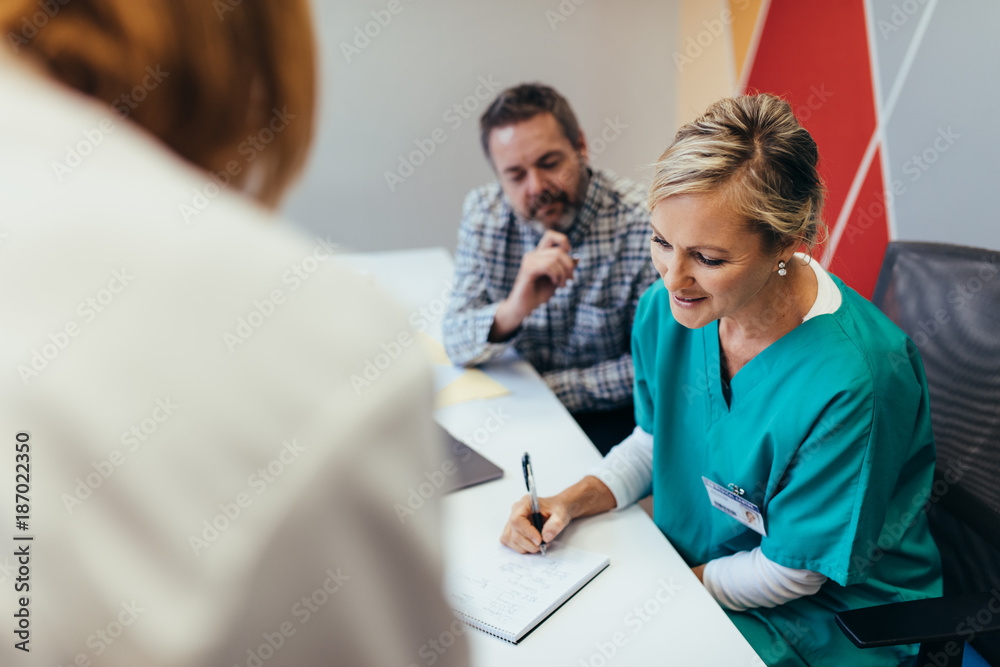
(710,260)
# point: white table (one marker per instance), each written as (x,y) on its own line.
(647,608)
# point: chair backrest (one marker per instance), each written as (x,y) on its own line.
(947,299)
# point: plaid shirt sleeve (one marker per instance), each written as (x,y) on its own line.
(470,313)
(603,386)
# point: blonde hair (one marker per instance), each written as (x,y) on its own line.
(229,69)
(753,150)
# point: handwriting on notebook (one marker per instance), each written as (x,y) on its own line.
(507,594)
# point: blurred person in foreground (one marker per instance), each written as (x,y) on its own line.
(206,488)
(551,261)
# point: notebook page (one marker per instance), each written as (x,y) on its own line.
(507,593)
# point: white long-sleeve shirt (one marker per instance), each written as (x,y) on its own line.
(743,580)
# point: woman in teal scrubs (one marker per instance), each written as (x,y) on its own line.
(783,423)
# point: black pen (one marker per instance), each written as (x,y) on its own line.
(529,481)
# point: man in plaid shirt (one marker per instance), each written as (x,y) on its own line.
(552,260)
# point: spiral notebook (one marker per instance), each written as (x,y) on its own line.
(508,594)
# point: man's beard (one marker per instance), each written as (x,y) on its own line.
(547,198)
(570,205)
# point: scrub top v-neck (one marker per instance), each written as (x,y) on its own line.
(749,375)
(827,432)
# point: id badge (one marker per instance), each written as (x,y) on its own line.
(735,506)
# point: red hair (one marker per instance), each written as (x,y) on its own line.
(212,74)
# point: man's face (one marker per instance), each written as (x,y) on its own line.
(539,169)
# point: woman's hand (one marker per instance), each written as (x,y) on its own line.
(520,533)
(586,497)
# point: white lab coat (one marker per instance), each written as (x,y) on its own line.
(207,487)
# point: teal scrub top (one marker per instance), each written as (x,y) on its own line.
(828,432)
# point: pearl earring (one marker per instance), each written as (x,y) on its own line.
(781,269)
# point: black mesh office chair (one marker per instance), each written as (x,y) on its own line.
(947,298)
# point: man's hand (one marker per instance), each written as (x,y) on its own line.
(543,270)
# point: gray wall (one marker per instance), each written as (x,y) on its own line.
(610,59)
(942,59)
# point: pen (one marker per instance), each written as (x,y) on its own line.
(529,481)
